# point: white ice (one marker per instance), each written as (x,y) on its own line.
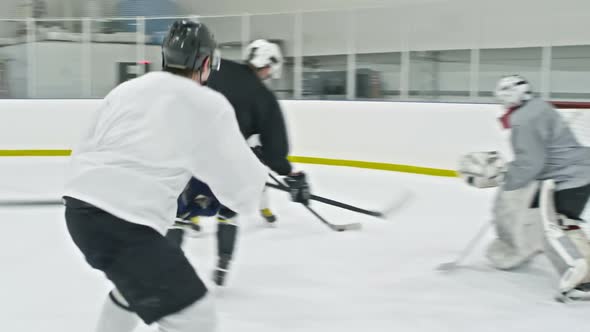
(300,276)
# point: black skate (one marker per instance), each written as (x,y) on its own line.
(221,270)
(268,216)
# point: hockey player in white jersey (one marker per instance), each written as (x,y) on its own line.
(546,154)
(130,168)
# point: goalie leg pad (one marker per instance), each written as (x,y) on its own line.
(567,259)
(567,246)
(580,240)
(518,227)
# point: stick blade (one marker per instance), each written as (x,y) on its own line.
(346,227)
(445,267)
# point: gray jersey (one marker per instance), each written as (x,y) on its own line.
(545,148)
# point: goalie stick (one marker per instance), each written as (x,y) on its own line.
(449,266)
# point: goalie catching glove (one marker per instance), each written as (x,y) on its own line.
(482,169)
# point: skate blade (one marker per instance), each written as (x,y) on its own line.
(346,227)
(573,296)
(449,266)
(573,276)
(271,224)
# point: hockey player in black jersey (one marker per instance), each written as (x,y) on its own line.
(257,109)
(258,113)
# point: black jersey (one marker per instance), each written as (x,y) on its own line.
(257,111)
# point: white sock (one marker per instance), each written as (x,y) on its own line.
(199,316)
(114,318)
(264,200)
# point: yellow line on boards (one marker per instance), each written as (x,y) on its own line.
(295,159)
(35,153)
(374,165)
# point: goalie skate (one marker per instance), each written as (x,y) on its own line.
(580,293)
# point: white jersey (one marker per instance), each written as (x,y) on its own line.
(150,135)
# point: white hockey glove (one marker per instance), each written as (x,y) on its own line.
(482,169)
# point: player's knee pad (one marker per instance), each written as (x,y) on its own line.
(199,316)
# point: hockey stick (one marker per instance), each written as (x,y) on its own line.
(379,214)
(333,202)
(31,202)
(338,228)
(334,227)
(449,266)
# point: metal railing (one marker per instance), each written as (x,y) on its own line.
(330,54)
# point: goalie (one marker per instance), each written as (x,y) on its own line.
(546,152)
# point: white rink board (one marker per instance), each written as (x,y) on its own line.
(418,134)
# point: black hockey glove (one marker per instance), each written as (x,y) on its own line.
(298,188)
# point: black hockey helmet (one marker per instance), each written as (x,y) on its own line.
(187,45)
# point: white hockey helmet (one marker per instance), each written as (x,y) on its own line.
(513,90)
(261,53)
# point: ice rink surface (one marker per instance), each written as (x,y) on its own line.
(299,276)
